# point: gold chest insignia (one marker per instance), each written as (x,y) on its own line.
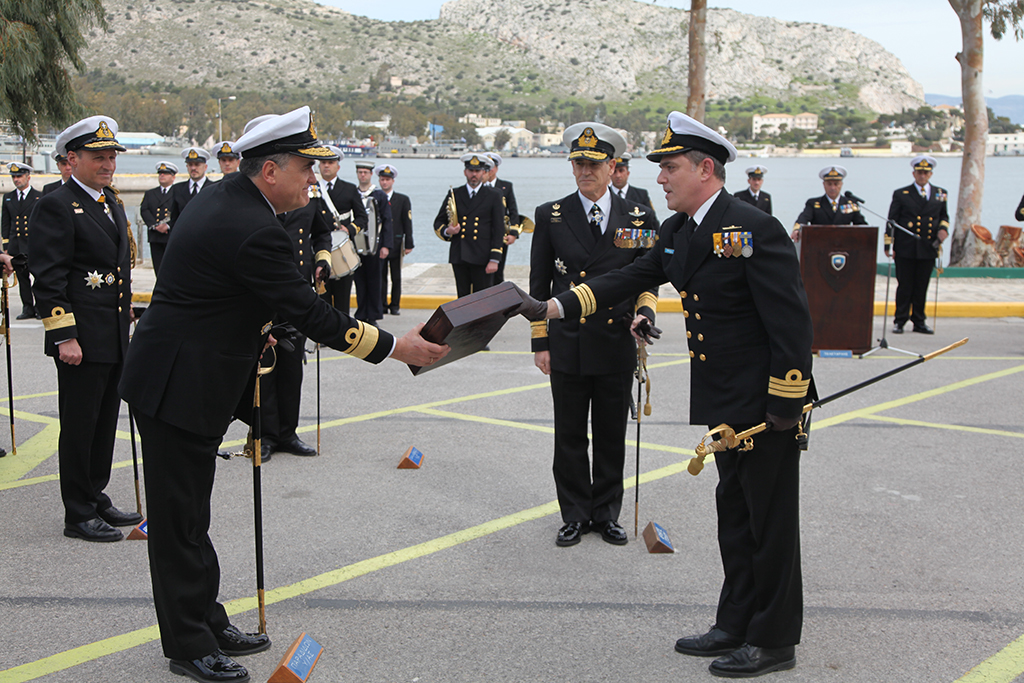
(266,328)
(637,211)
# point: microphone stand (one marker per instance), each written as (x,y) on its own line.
(883,342)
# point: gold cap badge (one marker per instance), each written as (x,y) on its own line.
(104,132)
(587,139)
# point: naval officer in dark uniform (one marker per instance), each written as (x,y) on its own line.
(513,227)
(401,223)
(348,203)
(82,268)
(155,211)
(227,158)
(753,195)
(590,358)
(228,270)
(476,231)
(622,187)
(749,333)
(16,208)
(184,192)
(920,207)
(830,208)
(65,173)
(369,305)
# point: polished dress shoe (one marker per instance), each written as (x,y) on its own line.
(267,449)
(233,642)
(714,643)
(750,661)
(215,667)
(26,313)
(394,311)
(571,533)
(296,446)
(611,531)
(923,329)
(115,517)
(897,328)
(95,530)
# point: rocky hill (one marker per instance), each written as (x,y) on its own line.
(482,51)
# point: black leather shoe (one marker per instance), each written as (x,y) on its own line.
(215,667)
(115,517)
(923,329)
(897,328)
(95,530)
(233,642)
(267,449)
(394,311)
(571,533)
(714,643)
(750,661)
(296,446)
(612,532)
(26,313)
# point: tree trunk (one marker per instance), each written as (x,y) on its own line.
(966,249)
(698,58)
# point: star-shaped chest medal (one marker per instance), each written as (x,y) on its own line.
(560,266)
(94,279)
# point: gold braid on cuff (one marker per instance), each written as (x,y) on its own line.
(539,329)
(588,304)
(362,340)
(794,386)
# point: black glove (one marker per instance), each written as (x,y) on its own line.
(780,424)
(326,272)
(531,309)
(285,334)
(647,331)
(936,244)
(19,261)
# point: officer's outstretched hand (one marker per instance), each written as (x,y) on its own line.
(415,350)
(531,309)
(780,424)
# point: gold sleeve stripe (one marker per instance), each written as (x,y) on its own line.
(59,321)
(362,340)
(539,329)
(322,255)
(588,303)
(794,386)
(888,239)
(943,224)
(649,300)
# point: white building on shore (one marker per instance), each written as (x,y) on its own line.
(771,124)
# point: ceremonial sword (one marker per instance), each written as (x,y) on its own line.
(729,439)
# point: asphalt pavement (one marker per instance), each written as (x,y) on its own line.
(911,533)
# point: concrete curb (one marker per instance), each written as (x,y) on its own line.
(945,309)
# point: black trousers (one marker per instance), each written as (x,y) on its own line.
(25,287)
(912,278)
(471,278)
(179,470)
(88,404)
(369,305)
(281,393)
(759,538)
(590,492)
(499,275)
(394,265)
(339,293)
(156,252)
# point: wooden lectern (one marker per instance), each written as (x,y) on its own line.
(837,264)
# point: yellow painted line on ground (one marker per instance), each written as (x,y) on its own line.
(28,396)
(30,454)
(1002,667)
(913,398)
(55,477)
(92,651)
(952,427)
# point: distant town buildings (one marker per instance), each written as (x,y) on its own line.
(1001,144)
(772,124)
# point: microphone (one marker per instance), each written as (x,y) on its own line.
(853,197)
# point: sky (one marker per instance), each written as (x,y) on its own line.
(923,34)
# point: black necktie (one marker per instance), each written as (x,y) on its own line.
(691,227)
(330,186)
(595,222)
(195,187)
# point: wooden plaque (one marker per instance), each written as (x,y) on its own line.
(468,324)
(657,539)
(837,264)
(412,459)
(298,661)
